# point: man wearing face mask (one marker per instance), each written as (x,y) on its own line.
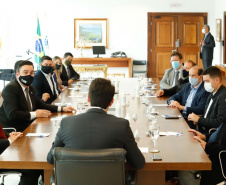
(192,98)
(207,45)
(215,107)
(68,74)
(20,105)
(172,75)
(182,81)
(44,81)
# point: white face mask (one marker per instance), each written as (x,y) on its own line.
(1,101)
(208,87)
(203,31)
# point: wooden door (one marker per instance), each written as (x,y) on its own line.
(167,29)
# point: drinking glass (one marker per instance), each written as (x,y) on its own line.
(81,107)
(154,134)
(134,117)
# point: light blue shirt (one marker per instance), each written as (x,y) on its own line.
(191,96)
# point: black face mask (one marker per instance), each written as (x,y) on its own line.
(58,67)
(185,73)
(47,69)
(26,80)
(68,62)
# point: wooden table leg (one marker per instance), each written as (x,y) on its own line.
(146,177)
(47,175)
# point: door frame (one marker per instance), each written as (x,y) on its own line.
(151,64)
(224,48)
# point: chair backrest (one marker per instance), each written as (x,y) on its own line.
(89,167)
(139,62)
(222,159)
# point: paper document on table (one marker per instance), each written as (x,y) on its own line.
(160,105)
(37,134)
(150,96)
(62,104)
(169,133)
(75,96)
(143,149)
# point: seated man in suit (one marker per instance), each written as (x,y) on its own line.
(21,106)
(68,74)
(28,176)
(215,107)
(212,144)
(182,81)
(44,81)
(96,129)
(4,142)
(45,96)
(192,98)
(172,75)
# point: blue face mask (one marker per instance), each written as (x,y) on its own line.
(175,64)
(193,81)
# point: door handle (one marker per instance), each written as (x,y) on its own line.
(174,50)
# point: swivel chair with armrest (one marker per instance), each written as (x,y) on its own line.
(3,174)
(89,167)
(222,165)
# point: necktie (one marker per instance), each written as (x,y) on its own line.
(27,98)
(69,72)
(54,92)
(176,78)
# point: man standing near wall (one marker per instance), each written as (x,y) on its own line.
(207,45)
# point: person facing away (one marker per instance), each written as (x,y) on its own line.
(68,74)
(21,106)
(207,46)
(192,98)
(96,129)
(172,75)
(215,107)
(182,81)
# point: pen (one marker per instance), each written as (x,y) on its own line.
(41,136)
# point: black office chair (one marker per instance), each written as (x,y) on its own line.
(6,74)
(3,174)
(222,165)
(139,68)
(89,167)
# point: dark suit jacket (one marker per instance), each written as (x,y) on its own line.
(42,86)
(212,149)
(207,49)
(198,102)
(217,111)
(64,77)
(14,112)
(96,129)
(4,143)
(173,90)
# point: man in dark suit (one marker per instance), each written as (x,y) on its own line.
(182,81)
(192,98)
(21,106)
(68,74)
(96,129)
(28,176)
(207,45)
(215,106)
(44,81)
(212,144)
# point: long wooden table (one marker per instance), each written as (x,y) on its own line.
(177,152)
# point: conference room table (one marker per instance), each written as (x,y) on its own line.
(177,152)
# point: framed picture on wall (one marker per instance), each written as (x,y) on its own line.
(90,32)
(218,30)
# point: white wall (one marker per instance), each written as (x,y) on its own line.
(127,24)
